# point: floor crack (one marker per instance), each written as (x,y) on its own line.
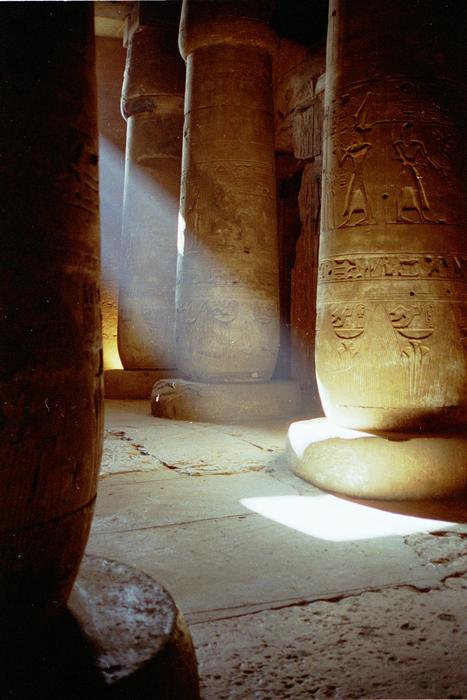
(238,516)
(336,598)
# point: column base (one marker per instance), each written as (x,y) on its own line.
(122,636)
(181,399)
(395,466)
(132,383)
(144,648)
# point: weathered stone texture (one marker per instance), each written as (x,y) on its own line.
(216,403)
(227,287)
(391,350)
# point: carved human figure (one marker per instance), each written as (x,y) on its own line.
(413,155)
(356,197)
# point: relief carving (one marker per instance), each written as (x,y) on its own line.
(194,215)
(413,155)
(415,324)
(215,331)
(188,312)
(393,265)
(393,156)
(264,312)
(354,155)
(303,132)
(348,323)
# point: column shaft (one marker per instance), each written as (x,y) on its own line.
(392,294)
(50,352)
(227,286)
(391,345)
(152,102)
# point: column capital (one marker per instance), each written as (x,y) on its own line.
(205,23)
(154,79)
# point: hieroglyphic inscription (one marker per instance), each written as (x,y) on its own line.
(205,324)
(393,155)
(393,266)
(227,205)
(460,313)
(265,312)
(303,132)
(249,177)
(348,323)
(414,325)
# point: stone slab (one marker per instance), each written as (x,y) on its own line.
(122,506)
(397,642)
(180,399)
(137,442)
(387,466)
(132,383)
(229,565)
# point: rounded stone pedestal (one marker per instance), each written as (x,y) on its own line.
(129,384)
(180,399)
(398,466)
(121,637)
(143,648)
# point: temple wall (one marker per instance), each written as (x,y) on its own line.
(298,128)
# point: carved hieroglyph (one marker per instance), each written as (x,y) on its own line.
(227,283)
(152,102)
(391,350)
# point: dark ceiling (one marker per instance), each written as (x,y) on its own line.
(304,21)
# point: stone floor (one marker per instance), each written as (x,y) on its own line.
(289,592)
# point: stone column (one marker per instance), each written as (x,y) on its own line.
(50,350)
(152,104)
(227,272)
(391,328)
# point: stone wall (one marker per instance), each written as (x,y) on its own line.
(299,115)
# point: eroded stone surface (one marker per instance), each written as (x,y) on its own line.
(445,550)
(386,629)
(191,448)
(226,402)
(141,640)
(392,643)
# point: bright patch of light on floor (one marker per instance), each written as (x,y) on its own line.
(335,519)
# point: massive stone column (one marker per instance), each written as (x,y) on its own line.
(50,350)
(51,386)
(391,328)
(152,104)
(227,272)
